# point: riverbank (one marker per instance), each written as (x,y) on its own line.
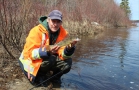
(85,28)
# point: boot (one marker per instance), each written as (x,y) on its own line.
(39,81)
(56,79)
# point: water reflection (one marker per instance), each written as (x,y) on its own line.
(123,53)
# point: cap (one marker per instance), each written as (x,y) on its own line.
(55,14)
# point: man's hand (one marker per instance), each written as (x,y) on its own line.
(54,49)
(72,44)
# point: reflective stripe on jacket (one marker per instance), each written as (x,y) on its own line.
(38,38)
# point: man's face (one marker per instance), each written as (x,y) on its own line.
(54,24)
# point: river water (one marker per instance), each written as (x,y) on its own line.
(109,61)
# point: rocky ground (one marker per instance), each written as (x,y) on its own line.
(9,71)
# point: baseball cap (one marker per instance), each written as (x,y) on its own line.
(55,14)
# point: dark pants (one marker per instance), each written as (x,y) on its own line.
(53,63)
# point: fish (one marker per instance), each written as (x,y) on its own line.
(64,42)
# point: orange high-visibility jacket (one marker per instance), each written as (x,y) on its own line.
(30,59)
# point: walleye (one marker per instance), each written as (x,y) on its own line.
(64,42)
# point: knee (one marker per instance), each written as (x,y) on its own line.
(67,65)
(66,69)
(69,61)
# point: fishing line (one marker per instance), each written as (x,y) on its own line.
(47,79)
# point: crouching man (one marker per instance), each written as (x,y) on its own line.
(35,60)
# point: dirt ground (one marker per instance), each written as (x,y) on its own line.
(12,77)
(9,71)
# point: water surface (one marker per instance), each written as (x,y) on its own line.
(109,61)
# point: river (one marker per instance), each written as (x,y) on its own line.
(109,61)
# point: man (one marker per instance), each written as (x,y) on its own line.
(36,61)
